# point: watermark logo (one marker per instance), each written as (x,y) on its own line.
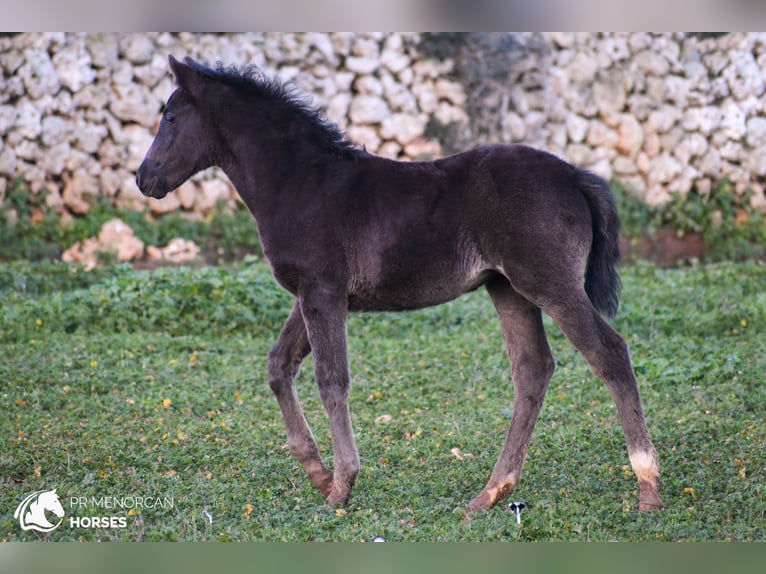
(37,510)
(33,510)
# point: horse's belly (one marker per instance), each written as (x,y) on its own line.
(414,291)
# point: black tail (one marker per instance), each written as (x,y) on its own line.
(602,282)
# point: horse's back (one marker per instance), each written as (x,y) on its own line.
(431,231)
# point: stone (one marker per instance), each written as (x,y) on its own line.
(703,119)
(423,149)
(639,41)
(368,110)
(27,150)
(450,91)
(8,163)
(368,85)
(630,135)
(177,251)
(602,167)
(150,74)
(743,75)
(8,115)
(640,106)
(337,108)
(109,183)
(73,66)
(39,75)
(624,166)
(104,49)
(582,69)
(577,128)
(137,48)
(425,93)
(390,150)
(167,204)
(129,105)
(365,47)
(93,96)
(88,137)
(732,121)
(117,237)
(710,164)
(609,95)
(756,132)
(187,194)
(677,90)
(137,140)
(83,252)
(731,150)
(365,136)
(651,63)
(362,65)
(562,39)
(514,128)
(213,191)
(691,146)
(663,119)
(403,128)
(399,98)
(323,44)
(672,138)
(80,191)
(579,154)
(55,130)
(55,157)
(599,135)
(29,120)
(652,144)
(448,114)
(394,61)
(615,48)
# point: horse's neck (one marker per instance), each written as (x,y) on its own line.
(262,173)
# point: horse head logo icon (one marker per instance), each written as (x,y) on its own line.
(31,513)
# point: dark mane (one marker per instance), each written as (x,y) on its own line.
(253,81)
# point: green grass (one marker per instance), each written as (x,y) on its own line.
(131,383)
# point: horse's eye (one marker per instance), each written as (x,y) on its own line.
(170,117)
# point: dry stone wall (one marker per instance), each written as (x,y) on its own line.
(658,112)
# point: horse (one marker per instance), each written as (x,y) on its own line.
(344,231)
(31,511)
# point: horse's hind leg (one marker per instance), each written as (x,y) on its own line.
(285,359)
(608,356)
(532,367)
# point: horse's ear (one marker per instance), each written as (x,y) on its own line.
(185,74)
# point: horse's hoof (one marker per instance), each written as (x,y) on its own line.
(338,497)
(478,505)
(650,506)
(650,502)
(323,481)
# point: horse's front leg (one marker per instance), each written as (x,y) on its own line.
(285,359)
(324,314)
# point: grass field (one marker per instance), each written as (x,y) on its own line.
(153,383)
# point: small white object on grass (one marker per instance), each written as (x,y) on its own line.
(516,507)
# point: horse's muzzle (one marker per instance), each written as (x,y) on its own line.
(149,181)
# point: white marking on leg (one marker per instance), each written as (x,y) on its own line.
(645,466)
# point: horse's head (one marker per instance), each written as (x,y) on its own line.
(181,147)
(50,501)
